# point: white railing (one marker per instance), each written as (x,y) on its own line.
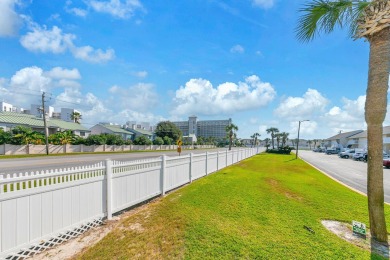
(38,206)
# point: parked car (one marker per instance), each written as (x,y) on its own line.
(332,151)
(347,154)
(386,162)
(358,156)
(385,157)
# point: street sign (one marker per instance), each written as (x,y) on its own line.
(358,228)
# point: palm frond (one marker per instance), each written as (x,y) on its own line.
(357,14)
(324,15)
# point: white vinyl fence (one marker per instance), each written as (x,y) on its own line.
(43,206)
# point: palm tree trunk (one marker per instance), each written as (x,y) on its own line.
(376,104)
(230,140)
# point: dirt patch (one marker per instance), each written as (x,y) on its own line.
(73,247)
(344,231)
(275,185)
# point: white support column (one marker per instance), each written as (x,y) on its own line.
(191,168)
(109,188)
(207,162)
(163,168)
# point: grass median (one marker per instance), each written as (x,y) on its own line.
(256,209)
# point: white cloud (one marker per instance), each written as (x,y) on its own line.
(87,53)
(263,3)
(55,41)
(61,73)
(140,97)
(140,74)
(198,96)
(259,53)
(308,128)
(304,107)
(122,9)
(75,10)
(78,12)
(237,49)
(25,86)
(43,40)
(9,19)
(349,117)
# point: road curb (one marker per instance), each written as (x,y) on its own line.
(336,180)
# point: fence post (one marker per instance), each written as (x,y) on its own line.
(226,164)
(163,168)
(191,168)
(109,188)
(217,160)
(207,163)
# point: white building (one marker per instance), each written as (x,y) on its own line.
(36,110)
(206,128)
(66,114)
(6,107)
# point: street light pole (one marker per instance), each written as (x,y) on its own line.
(299,128)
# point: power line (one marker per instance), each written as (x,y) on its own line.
(50,98)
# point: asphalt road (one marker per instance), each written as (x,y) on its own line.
(17,165)
(350,172)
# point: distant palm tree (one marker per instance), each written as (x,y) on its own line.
(284,137)
(76,117)
(309,142)
(368,20)
(278,137)
(230,130)
(253,140)
(266,142)
(272,131)
(256,136)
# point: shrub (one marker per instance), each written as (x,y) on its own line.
(158,141)
(280,150)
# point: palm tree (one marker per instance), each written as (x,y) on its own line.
(278,137)
(230,130)
(266,142)
(284,137)
(368,20)
(272,131)
(255,136)
(309,142)
(76,117)
(253,140)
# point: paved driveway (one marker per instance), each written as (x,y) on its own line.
(348,171)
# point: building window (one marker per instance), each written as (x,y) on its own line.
(82,133)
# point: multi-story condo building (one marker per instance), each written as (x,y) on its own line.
(66,114)
(206,128)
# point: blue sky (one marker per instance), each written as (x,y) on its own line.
(143,60)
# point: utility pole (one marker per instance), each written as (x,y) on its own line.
(45,123)
(299,128)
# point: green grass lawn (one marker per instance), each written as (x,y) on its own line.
(255,209)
